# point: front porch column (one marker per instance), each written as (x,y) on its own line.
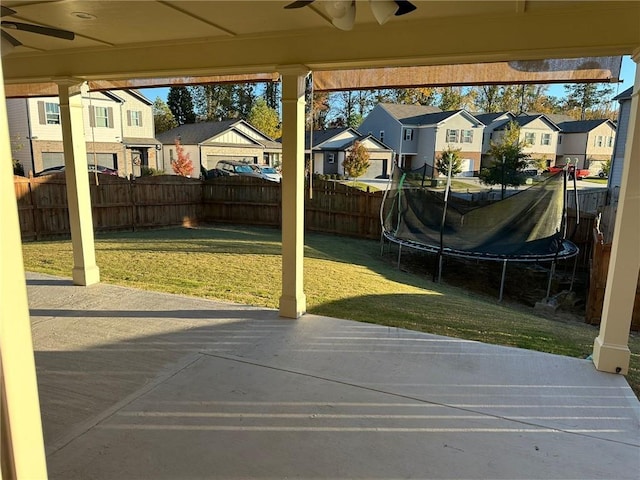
(85,270)
(293,302)
(610,349)
(22,452)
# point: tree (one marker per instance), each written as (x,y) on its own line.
(356,162)
(449,156)
(265,118)
(223,101)
(272,95)
(182,165)
(162,116)
(181,105)
(508,160)
(583,99)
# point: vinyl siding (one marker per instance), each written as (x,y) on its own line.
(146,130)
(615,175)
(537,150)
(379,120)
(19,131)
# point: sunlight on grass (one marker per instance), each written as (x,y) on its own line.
(344,278)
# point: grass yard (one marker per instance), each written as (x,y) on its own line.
(344,278)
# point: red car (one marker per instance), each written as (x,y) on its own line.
(580,173)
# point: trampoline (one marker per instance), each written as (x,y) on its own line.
(527,226)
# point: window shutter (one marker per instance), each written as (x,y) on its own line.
(140,118)
(128,118)
(92,116)
(41,115)
(110,117)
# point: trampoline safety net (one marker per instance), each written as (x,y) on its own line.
(526,226)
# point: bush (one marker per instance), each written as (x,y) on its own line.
(150,172)
(18,169)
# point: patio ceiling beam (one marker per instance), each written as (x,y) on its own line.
(569,30)
(611,347)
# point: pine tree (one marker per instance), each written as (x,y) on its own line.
(265,119)
(181,105)
(162,116)
(182,165)
(585,98)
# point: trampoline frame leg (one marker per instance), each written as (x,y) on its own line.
(399,254)
(573,275)
(439,268)
(552,271)
(504,272)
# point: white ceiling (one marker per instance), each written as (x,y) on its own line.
(152,38)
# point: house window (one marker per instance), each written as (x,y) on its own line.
(171,154)
(408,134)
(52,159)
(331,158)
(599,141)
(530,138)
(467,136)
(52,113)
(546,139)
(452,136)
(102,117)
(559,139)
(135,118)
(610,142)
(381,136)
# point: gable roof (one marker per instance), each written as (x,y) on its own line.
(624,95)
(524,120)
(582,126)
(408,114)
(323,136)
(490,117)
(196,133)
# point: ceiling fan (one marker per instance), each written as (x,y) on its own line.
(27,27)
(343,12)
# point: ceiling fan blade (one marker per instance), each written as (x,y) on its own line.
(13,41)
(348,19)
(4,11)
(299,4)
(404,7)
(51,32)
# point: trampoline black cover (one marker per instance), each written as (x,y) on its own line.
(525,226)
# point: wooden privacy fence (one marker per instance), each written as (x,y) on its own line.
(159,201)
(117,203)
(598,281)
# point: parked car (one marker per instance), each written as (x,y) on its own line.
(91,168)
(232,167)
(580,173)
(267,172)
(602,174)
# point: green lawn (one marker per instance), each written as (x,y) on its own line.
(601,181)
(344,278)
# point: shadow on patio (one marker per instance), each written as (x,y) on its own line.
(137,384)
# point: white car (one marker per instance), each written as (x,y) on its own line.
(268,173)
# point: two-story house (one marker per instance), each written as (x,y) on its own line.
(209,142)
(118,127)
(586,143)
(537,131)
(419,134)
(331,147)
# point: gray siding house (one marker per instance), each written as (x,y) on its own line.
(615,174)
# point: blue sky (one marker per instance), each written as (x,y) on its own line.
(627,75)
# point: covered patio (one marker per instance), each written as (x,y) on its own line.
(138,384)
(119,41)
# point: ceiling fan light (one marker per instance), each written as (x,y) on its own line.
(383,10)
(346,22)
(337,8)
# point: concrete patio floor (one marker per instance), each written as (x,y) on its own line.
(143,385)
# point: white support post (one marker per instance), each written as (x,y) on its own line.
(85,270)
(293,303)
(611,348)
(22,451)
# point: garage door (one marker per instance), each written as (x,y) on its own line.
(376,169)
(467,168)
